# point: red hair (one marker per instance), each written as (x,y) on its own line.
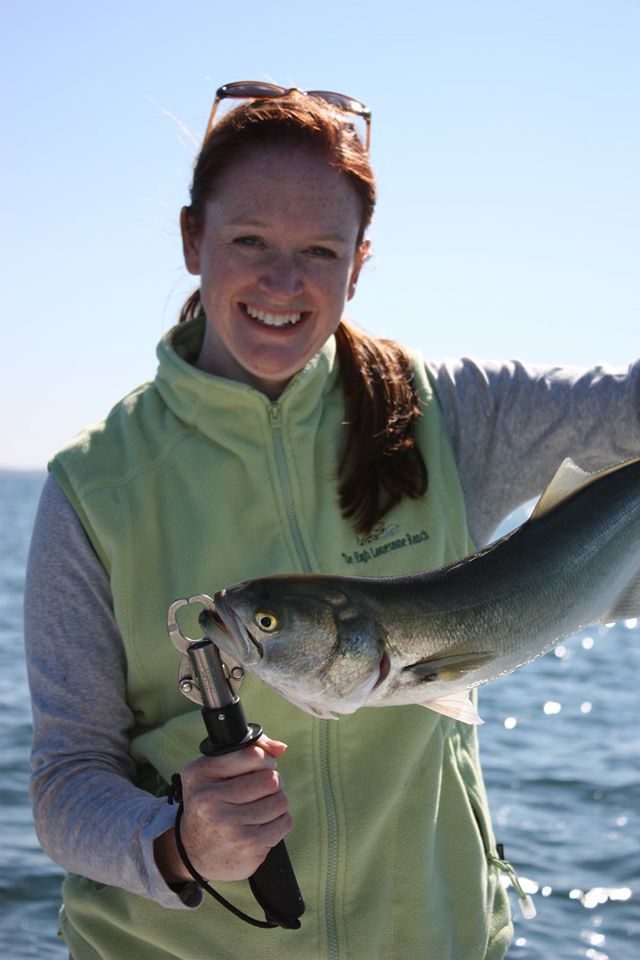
(297,120)
(380,462)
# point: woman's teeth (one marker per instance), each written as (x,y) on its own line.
(272,319)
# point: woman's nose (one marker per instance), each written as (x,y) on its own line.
(281,276)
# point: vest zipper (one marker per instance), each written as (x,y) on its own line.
(329,800)
(332,841)
(285,486)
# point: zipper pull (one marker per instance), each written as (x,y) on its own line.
(525,902)
(274,411)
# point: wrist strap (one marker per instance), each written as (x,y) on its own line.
(175,795)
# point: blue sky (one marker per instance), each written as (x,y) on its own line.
(505,138)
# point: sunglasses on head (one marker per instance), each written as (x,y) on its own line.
(254,90)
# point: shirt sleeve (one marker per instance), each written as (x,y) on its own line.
(512,424)
(89,816)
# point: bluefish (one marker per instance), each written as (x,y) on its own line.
(333,644)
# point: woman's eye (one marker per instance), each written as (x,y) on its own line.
(248,241)
(323,252)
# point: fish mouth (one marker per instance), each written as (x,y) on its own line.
(242,643)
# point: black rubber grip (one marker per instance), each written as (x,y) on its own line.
(274,883)
(275,887)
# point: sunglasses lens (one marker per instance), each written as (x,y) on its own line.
(342,101)
(250,89)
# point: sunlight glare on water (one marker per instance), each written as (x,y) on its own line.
(551,707)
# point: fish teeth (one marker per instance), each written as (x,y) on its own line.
(272,319)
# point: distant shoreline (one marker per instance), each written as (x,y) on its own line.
(24,471)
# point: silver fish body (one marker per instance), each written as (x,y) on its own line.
(334,644)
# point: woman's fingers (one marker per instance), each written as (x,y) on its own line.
(235,810)
(255,757)
(246,788)
(274,748)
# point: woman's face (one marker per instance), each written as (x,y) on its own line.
(277,258)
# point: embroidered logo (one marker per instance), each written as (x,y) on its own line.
(382,540)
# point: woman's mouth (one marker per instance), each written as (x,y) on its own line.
(269,319)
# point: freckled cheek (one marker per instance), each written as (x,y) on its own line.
(333,291)
(220,285)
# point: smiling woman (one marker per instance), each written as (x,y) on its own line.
(276,438)
(281,199)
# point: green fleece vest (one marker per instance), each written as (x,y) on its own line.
(192,484)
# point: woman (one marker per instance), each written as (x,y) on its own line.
(276,438)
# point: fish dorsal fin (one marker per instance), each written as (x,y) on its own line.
(457,705)
(567,480)
(626,606)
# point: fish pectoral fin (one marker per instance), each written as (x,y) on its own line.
(449,668)
(626,606)
(457,705)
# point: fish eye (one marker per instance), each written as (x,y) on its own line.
(266,620)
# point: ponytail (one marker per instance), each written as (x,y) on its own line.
(380,463)
(191,307)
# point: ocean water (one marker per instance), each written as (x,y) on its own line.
(561,755)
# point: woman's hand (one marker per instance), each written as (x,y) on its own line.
(235,810)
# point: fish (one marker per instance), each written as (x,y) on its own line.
(333,644)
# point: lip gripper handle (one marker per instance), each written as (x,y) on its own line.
(276,889)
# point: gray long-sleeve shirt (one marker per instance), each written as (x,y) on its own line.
(510,425)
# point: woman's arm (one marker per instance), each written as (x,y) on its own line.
(512,424)
(81,785)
